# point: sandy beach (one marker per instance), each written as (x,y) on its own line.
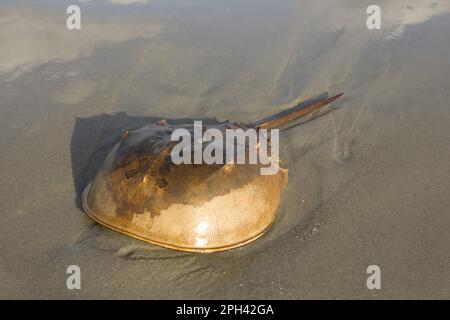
(368,183)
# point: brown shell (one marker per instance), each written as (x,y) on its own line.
(199,207)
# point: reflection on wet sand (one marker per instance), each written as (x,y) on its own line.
(23,45)
(368,182)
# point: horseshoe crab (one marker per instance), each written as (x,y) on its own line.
(140,192)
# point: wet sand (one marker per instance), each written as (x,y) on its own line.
(368,183)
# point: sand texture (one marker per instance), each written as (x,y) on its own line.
(369,183)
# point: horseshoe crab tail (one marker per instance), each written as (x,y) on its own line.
(286,117)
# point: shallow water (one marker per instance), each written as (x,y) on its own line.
(368,183)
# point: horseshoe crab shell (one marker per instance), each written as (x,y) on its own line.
(140,192)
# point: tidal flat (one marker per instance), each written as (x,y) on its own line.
(368,183)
